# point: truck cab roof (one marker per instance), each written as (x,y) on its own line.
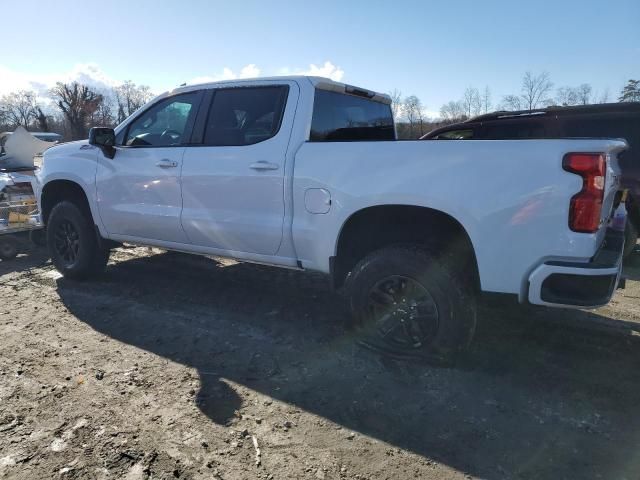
(321,83)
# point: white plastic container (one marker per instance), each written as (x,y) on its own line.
(619,219)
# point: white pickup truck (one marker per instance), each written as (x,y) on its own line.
(306,173)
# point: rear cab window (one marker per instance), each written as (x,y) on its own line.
(341,117)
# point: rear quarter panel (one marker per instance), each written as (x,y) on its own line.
(512,197)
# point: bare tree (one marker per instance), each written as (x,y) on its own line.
(567,96)
(103,115)
(583,93)
(486,100)
(604,96)
(535,93)
(511,102)
(19,108)
(420,111)
(78,103)
(452,112)
(42,120)
(396,103)
(130,97)
(535,89)
(580,95)
(412,108)
(471,102)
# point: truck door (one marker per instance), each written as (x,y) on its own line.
(233,182)
(139,193)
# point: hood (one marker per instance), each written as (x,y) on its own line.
(66,148)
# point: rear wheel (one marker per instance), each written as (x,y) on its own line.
(630,238)
(73,243)
(406,302)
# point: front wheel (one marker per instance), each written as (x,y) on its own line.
(407,302)
(73,243)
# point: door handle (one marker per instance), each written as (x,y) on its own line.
(263,165)
(166,163)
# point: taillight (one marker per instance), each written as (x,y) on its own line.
(586,205)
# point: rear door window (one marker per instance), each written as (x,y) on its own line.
(245,115)
(338,117)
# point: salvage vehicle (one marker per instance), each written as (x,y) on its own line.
(19,218)
(613,120)
(44,136)
(306,173)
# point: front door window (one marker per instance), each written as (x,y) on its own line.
(166,124)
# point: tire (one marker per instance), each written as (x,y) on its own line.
(630,238)
(432,316)
(8,248)
(38,237)
(73,243)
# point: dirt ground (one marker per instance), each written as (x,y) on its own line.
(170,366)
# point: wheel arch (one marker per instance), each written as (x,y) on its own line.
(56,191)
(377,226)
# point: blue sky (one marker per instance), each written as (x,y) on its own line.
(433,49)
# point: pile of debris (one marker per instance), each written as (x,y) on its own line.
(19,150)
(18,187)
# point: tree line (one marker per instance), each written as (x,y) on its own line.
(536,91)
(70,109)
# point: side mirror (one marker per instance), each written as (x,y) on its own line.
(105,139)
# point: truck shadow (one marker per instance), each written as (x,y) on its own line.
(536,397)
(31,258)
(632,265)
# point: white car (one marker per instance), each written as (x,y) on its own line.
(306,173)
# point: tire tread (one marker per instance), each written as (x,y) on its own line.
(453,336)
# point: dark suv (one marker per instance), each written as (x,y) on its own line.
(616,120)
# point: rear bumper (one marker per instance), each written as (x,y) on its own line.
(580,285)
